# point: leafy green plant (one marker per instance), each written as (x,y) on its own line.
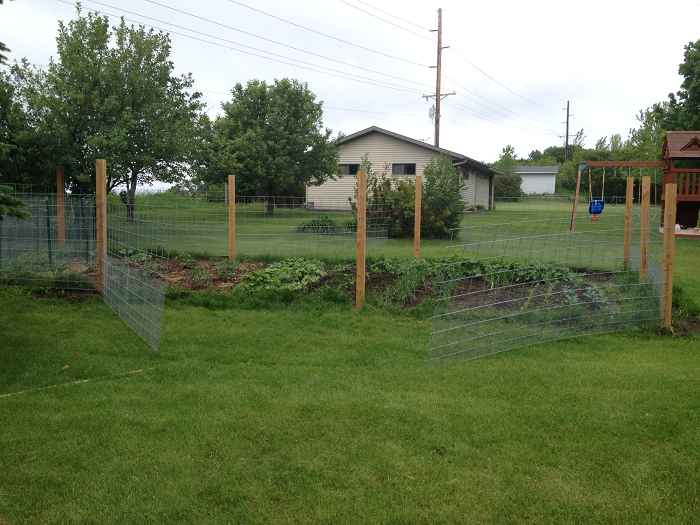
(187,260)
(227,268)
(132,256)
(323,225)
(200,276)
(291,274)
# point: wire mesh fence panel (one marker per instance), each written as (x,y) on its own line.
(286,227)
(54,247)
(278,226)
(135,268)
(511,285)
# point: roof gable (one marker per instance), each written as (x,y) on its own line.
(456,157)
(681,145)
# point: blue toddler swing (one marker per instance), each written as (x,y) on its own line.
(595,206)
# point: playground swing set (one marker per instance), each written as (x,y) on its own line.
(678,146)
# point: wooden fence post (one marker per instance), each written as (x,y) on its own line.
(361,237)
(416,221)
(644,230)
(667,259)
(61,206)
(231,195)
(629,199)
(101,218)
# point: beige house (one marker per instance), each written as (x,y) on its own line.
(403,157)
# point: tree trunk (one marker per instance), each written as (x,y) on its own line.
(129,196)
(270,205)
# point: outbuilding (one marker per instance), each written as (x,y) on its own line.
(538,180)
(403,157)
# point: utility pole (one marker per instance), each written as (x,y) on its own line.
(437,83)
(566,142)
(438,96)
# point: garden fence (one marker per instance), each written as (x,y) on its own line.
(516,284)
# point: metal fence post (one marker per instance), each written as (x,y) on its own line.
(361,237)
(416,220)
(101,208)
(231,198)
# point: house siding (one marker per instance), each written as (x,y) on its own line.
(382,150)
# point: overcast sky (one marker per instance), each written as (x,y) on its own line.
(512,64)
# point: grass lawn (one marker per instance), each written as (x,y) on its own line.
(318,413)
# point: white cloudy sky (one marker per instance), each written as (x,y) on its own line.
(513,64)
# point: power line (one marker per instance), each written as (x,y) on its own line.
(515,120)
(541,106)
(390,23)
(387,13)
(494,104)
(325,35)
(333,72)
(249,34)
(495,121)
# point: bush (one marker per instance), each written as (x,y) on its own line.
(323,225)
(441,202)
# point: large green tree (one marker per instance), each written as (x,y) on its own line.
(684,106)
(272,138)
(112,94)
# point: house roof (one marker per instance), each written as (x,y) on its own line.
(537,170)
(681,145)
(457,158)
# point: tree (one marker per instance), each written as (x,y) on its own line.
(10,206)
(111,94)
(685,105)
(3,49)
(272,138)
(508,184)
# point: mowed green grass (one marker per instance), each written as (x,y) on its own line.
(314,413)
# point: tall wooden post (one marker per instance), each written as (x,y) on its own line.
(61,206)
(416,220)
(437,82)
(644,230)
(361,237)
(573,211)
(629,198)
(667,261)
(231,195)
(101,198)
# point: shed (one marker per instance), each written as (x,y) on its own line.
(403,157)
(538,180)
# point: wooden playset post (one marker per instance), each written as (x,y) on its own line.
(231,196)
(644,230)
(629,198)
(581,167)
(669,243)
(101,201)
(61,206)
(416,220)
(361,237)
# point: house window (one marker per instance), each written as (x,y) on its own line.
(350,169)
(403,169)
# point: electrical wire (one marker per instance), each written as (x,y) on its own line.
(387,13)
(541,106)
(333,72)
(390,23)
(249,34)
(325,35)
(494,104)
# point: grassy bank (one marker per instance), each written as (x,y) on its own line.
(323,414)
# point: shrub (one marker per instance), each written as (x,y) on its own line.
(441,202)
(323,225)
